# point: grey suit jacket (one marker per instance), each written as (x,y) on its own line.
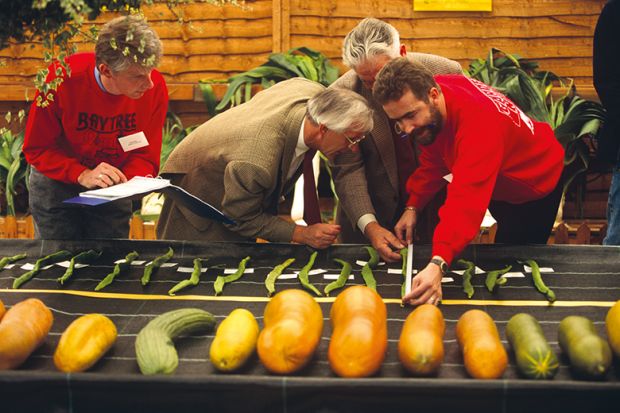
(367,181)
(238,162)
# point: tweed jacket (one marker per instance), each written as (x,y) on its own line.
(238,162)
(367,181)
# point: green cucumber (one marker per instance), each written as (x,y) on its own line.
(155,351)
(534,357)
(589,355)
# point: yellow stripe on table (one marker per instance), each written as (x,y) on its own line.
(247,299)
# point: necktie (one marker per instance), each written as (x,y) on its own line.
(312,212)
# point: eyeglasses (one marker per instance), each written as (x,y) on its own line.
(354,141)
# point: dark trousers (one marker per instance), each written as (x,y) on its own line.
(55,220)
(527,223)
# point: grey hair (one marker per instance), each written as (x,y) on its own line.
(340,110)
(371,37)
(126,41)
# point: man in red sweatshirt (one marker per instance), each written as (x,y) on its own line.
(494,156)
(102,126)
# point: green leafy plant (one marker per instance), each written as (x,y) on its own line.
(297,62)
(574,120)
(172,133)
(14,170)
(58,24)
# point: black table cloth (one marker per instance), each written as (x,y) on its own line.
(586,280)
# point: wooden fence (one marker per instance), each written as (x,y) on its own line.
(219,41)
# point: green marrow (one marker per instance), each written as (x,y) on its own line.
(534,357)
(155,351)
(589,355)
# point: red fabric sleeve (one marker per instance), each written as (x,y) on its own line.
(427,179)
(478,156)
(42,138)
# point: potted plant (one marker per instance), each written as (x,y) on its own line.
(574,120)
(14,173)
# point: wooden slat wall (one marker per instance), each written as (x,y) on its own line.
(224,40)
(558,34)
(221,41)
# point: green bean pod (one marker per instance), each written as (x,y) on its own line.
(221,280)
(403,255)
(538,281)
(304,275)
(4,261)
(493,280)
(118,268)
(193,279)
(84,257)
(367,275)
(342,278)
(41,262)
(468,288)
(154,265)
(270,281)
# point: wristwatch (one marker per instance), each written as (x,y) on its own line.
(443,265)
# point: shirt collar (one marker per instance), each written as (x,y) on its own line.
(98,79)
(301,146)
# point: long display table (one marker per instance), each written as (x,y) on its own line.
(586,280)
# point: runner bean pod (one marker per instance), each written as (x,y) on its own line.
(342,278)
(84,257)
(367,274)
(304,275)
(538,281)
(41,262)
(154,265)
(468,288)
(270,281)
(10,260)
(221,280)
(193,279)
(493,280)
(118,268)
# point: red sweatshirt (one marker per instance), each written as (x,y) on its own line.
(81,126)
(493,150)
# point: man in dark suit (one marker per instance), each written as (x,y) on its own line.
(371,182)
(243,160)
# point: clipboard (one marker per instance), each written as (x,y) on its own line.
(138,186)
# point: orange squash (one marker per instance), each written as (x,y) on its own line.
(293,324)
(2,309)
(483,353)
(22,329)
(359,339)
(420,347)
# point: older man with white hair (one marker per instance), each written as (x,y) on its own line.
(243,160)
(371,182)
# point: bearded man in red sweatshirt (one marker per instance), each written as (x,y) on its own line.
(494,156)
(102,127)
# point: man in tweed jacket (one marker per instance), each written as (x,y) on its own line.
(367,181)
(243,160)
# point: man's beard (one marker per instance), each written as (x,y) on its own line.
(426,135)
